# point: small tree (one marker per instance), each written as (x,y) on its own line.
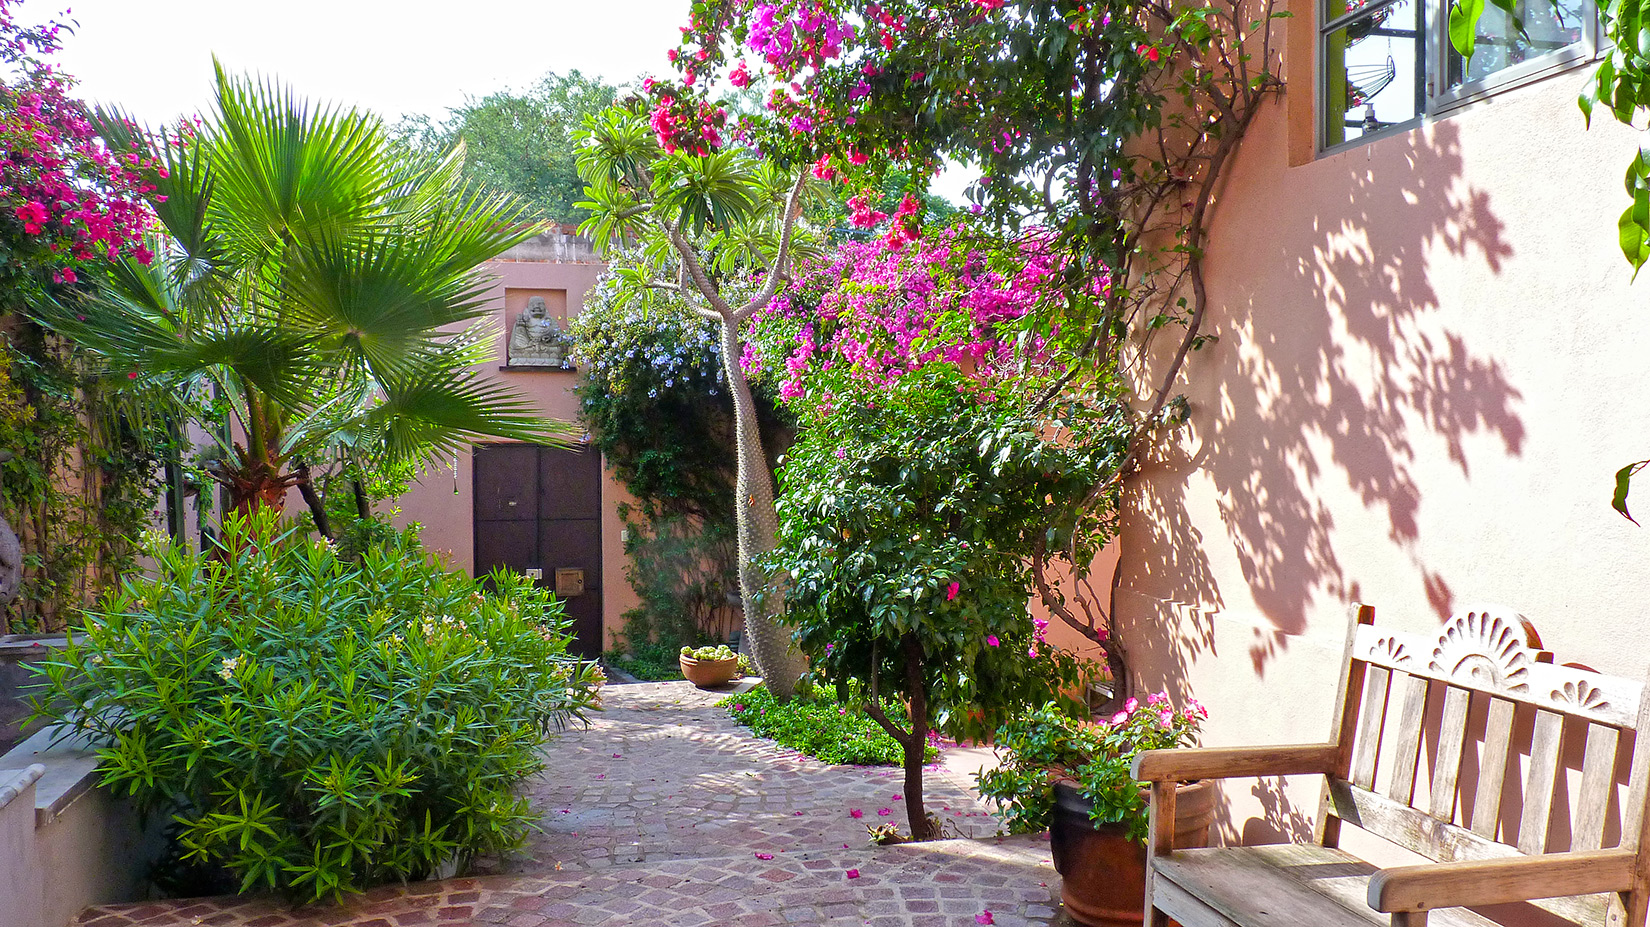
(720,229)
(919,489)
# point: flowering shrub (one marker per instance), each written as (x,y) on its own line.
(66,200)
(1048,743)
(655,400)
(316,726)
(872,312)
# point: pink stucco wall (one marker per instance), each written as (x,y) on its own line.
(441,501)
(1429,366)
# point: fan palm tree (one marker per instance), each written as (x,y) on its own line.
(319,281)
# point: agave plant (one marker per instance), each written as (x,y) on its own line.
(319,281)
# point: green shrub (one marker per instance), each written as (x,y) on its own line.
(647,662)
(820,726)
(316,726)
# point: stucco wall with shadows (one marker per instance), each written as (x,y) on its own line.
(1429,366)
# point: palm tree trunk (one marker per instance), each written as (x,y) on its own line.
(758,524)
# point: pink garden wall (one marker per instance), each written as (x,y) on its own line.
(1429,366)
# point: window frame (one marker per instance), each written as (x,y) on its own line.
(1435,24)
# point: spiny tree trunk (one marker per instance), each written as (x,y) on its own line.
(758,524)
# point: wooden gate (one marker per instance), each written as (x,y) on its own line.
(539,508)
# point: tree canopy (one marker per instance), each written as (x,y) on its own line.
(520,142)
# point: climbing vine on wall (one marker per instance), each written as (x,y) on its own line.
(78,486)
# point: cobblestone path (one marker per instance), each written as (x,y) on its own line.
(664,812)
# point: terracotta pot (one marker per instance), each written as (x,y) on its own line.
(1102,871)
(708,674)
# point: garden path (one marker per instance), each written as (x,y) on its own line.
(664,812)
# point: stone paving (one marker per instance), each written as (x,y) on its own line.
(665,812)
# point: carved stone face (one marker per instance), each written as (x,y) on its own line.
(536,309)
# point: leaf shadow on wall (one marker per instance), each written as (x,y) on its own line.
(1333,368)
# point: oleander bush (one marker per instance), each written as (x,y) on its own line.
(316,726)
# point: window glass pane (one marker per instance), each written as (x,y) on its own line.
(1550,24)
(1374,70)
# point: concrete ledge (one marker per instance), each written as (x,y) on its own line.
(16,782)
(69,770)
(65,843)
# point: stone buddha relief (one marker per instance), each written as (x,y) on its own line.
(536,339)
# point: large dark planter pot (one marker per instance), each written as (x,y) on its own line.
(1103,873)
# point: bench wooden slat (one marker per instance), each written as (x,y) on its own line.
(1368,755)
(1408,752)
(1492,767)
(1598,780)
(1578,692)
(1538,787)
(1280,886)
(1452,735)
(1442,842)
(1372,764)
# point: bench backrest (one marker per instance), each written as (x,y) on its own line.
(1480,693)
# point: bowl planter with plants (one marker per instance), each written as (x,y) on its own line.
(1072,778)
(709,667)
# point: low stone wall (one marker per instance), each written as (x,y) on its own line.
(65,844)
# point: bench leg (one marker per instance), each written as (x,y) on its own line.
(1409,919)
(1161,825)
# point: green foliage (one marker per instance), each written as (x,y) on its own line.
(520,142)
(910,522)
(81,482)
(319,279)
(647,662)
(316,726)
(655,398)
(1050,743)
(820,726)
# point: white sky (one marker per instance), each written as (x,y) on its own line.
(154,57)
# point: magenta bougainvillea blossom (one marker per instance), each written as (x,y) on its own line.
(873,312)
(73,199)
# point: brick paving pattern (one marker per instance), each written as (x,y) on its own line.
(664,812)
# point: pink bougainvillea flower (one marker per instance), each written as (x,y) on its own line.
(984,917)
(991,640)
(618,755)
(855,813)
(602,776)
(884,812)
(796,813)
(764,856)
(853,873)
(952,590)
(1150,52)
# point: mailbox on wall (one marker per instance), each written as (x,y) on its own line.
(569,582)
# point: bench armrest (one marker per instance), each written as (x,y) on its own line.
(1189,763)
(1500,881)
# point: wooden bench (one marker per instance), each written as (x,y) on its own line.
(1463,693)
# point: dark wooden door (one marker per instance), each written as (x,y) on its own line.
(540,508)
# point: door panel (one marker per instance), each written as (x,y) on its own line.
(540,507)
(506,482)
(569,483)
(577,544)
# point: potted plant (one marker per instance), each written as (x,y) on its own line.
(1072,778)
(709,667)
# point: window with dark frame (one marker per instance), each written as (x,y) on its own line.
(1384,64)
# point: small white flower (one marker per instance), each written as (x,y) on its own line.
(230,666)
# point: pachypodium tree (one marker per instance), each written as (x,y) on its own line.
(919,488)
(1100,128)
(321,281)
(720,228)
